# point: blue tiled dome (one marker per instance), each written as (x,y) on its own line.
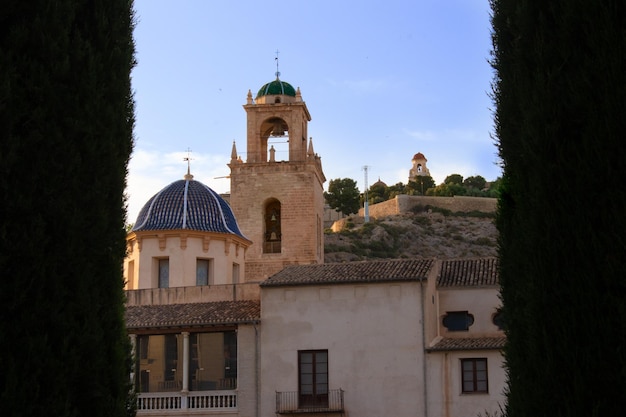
(187,204)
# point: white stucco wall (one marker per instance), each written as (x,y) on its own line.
(373,333)
(481,302)
(444,385)
(247,369)
(444,368)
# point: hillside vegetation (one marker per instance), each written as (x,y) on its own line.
(413,235)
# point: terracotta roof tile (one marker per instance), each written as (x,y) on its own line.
(352,272)
(192,314)
(468,273)
(468,343)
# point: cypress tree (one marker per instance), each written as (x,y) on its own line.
(66,117)
(560,120)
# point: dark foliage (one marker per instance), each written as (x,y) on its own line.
(343,195)
(560,95)
(66,112)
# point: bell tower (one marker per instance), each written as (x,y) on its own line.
(419,167)
(277,196)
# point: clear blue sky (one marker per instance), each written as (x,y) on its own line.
(382,80)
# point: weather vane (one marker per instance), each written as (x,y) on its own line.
(276,59)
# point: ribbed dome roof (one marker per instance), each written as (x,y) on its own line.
(187,204)
(276,87)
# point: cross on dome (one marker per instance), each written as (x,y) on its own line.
(188,158)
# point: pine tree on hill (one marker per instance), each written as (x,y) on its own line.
(560,95)
(67,116)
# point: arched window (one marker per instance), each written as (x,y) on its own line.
(273,236)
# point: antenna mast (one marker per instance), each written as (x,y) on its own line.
(366,210)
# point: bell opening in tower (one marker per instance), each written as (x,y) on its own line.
(277,140)
(273,235)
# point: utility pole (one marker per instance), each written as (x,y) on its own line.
(366,209)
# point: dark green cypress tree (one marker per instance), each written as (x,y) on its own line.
(66,121)
(560,95)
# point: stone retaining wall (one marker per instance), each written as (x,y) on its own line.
(404,203)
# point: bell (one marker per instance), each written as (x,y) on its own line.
(278,129)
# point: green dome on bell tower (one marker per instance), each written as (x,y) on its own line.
(276,87)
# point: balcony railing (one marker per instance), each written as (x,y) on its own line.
(194,400)
(293,402)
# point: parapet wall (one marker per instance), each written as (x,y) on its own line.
(195,294)
(404,203)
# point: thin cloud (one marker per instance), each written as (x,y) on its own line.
(421,134)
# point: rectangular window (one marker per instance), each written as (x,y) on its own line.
(313,378)
(159,362)
(474,375)
(213,361)
(203,271)
(235,273)
(164,273)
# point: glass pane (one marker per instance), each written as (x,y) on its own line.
(306,379)
(230,355)
(468,365)
(321,357)
(159,363)
(468,386)
(321,378)
(481,386)
(202,272)
(481,365)
(207,362)
(321,388)
(164,273)
(458,320)
(306,368)
(321,367)
(306,358)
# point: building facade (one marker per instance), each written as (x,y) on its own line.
(232,311)
(398,337)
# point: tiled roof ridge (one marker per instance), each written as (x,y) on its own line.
(463,272)
(468,343)
(352,272)
(193,314)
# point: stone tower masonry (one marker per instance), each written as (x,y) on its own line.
(279,204)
